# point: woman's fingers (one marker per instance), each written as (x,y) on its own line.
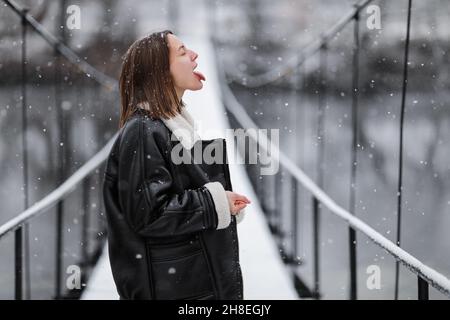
(241,198)
(241,206)
(237,201)
(238,207)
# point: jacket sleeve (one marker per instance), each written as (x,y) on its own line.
(149,203)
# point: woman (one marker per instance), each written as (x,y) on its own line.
(171,225)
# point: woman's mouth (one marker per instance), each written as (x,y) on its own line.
(199,75)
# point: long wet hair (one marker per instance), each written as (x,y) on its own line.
(145,78)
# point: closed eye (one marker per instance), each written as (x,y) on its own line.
(182,49)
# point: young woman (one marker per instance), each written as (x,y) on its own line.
(171,225)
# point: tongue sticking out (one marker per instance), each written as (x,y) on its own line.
(199,75)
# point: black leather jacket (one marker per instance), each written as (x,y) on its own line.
(162,222)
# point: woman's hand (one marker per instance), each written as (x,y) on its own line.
(236,201)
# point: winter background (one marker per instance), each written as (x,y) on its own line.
(253,36)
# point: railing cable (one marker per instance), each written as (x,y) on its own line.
(105,80)
(254,81)
(57,194)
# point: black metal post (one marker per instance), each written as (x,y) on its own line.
(279,205)
(85,220)
(321,116)
(102,217)
(303,132)
(354,163)
(422,289)
(400,160)
(26,227)
(61,156)
(320,166)
(19,233)
(274,210)
(294,219)
(293,180)
(316,251)
(270,180)
(60,205)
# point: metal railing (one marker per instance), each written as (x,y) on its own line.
(83,176)
(292,64)
(425,275)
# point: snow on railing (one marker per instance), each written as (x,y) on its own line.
(254,81)
(89,70)
(60,192)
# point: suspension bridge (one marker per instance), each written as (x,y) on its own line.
(267,250)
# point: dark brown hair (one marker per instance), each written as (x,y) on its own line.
(145,78)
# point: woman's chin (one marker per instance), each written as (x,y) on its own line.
(197,87)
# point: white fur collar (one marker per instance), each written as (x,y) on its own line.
(182,126)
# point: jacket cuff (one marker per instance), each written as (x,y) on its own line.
(240,216)
(220,203)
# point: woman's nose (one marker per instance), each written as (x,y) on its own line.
(194,55)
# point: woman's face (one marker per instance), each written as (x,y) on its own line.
(182,65)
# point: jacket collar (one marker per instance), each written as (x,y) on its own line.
(182,126)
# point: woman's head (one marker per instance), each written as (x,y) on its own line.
(156,71)
(182,65)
